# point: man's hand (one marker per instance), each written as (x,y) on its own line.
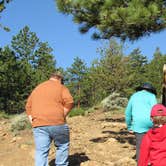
(30,118)
(131,131)
(66,111)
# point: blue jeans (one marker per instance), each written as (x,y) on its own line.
(43,136)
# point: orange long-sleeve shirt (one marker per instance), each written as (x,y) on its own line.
(46,103)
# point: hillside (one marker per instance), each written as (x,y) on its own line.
(98,139)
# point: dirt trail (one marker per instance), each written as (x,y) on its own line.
(96,140)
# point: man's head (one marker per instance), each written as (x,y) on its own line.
(57,75)
(158,114)
(147,86)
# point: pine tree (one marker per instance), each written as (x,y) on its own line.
(23,66)
(129,19)
(154,70)
(3,4)
(76,74)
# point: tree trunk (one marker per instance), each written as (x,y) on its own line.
(79,91)
(164,86)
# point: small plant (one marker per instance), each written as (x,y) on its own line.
(77,112)
(20,122)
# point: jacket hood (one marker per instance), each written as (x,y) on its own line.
(158,134)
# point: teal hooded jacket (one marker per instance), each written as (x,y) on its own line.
(137,113)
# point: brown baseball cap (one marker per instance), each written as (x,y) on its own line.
(57,74)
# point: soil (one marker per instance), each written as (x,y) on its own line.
(97,139)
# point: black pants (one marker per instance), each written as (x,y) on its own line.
(138,137)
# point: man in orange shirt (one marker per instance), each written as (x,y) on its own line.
(47,108)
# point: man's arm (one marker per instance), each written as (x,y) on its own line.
(67,101)
(67,109)
(128,116)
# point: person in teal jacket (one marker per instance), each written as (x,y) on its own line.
(137,113)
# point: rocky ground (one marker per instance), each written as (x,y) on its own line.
(98,139)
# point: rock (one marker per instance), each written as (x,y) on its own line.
(18,138)
(111,140)
(32,153)
(90,163)
(126,161)
(3,122)
(24,146)
(4,134)
(13,140)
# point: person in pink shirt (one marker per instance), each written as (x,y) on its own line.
(153,146)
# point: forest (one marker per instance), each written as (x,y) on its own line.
(26,61)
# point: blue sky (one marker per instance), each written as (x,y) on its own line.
(62,34)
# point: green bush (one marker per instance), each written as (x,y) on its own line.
(20,122)
(77,112)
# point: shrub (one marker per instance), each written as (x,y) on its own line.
(114,102)
(77,112)
(20,122)
(3,115)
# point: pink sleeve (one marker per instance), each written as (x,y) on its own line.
(144,150)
